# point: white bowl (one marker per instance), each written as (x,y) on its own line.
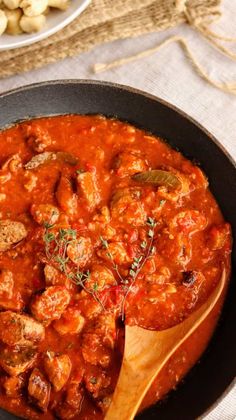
(55,21)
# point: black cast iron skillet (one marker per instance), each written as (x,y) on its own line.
(212,378)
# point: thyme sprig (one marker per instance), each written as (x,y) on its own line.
(105,245)
(138,262)
(56,244)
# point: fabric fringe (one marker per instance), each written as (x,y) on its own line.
(202,27)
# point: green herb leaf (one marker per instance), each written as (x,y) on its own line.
(151,222)
(49,237)
(95,287)
(150,233)
(152,250)
(93,380)
(47,225)
(109,255)
(158,177)
(104,242)
(143,245)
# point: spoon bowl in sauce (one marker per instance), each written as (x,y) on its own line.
(145,354)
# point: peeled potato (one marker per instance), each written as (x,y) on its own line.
(17,16)
(11,4)
(32,24)
(3,22)
(59,4)
(13,17)
(34,7)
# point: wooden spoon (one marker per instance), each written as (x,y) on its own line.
(145,354)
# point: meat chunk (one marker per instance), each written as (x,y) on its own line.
(6,284)
(88,306)
(126,207)
(104,403)
(37,137)
(13,386)
(9,299)
(15,303)
(11,232)
(96,383)
(116,252)
(129,163)
(94,352)
(65,411)
(12,164)
(39,390)
(188,221)
(51,275)
(55,277)
(74,393)
(66,198)
(99,278)
(50,304)
(160,276)
(71,322)
(80,251)
(58,369)
(30,181)
(103,216)
(17,360)
(98,341)
(186,186)
(4,177)
(45,214)
(73,399)
(218,236)
(199,178)
(88,189)
(105,327)
(177,249)
(22,330)
(100,224)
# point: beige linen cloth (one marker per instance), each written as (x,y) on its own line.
(166,74)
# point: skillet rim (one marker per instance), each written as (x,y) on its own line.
(131,90)
(168,105)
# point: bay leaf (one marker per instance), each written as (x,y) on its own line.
(66,157)
(45,157)
(40,159)
(158,177)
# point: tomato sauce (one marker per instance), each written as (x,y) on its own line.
(101,224)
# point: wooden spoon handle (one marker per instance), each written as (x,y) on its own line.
(145,354)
